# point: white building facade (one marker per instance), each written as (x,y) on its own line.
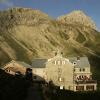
(70,73)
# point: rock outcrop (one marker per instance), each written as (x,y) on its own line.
(22,16)
(77,17)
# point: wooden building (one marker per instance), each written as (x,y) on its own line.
(16,66)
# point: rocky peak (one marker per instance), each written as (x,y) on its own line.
(20,10)
(23,16)
(77,13)
(77,17)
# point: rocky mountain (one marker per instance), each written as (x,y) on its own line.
(26,34)
(77,17)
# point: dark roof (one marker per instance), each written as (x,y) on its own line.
(82,62)
(39,63)
(24,64)
(18,62)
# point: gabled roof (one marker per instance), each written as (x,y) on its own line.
(16,66)
(39,63)
(81,63)
(20,63)
(24,64)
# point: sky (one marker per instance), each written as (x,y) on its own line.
(55,8)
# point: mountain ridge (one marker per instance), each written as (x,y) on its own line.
(26,34)
(77,17)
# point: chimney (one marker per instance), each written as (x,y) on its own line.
(78,58)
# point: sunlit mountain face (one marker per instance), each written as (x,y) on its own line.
(26,34)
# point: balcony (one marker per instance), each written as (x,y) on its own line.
(86,82)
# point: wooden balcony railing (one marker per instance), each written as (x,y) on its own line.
(86,82)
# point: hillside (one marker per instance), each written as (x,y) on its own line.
(13,87)
(26,34)
(77,17)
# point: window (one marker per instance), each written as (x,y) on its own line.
(55,62)
(74,63)
(90,87)
(83,69)
(60,79)
(74,69)
(80,69)
(80,88)
(58,62)
(61,87)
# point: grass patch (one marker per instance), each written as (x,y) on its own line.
(21,53)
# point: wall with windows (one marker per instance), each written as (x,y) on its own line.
(38,73)
(60,70)
(67,74)
(82,70)
(85,87)
(82,74)
(12,67)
